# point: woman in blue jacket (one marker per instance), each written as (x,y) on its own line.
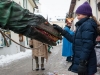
(84,59)
(67,45)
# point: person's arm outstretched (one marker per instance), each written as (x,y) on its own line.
(64,33)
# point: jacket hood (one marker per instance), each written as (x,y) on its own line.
(92,21)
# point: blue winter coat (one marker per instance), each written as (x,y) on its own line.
(83,45)
(67,46)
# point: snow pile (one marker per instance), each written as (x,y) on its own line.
(6,60)
(54,73)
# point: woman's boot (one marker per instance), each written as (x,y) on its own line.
(42,63)
(37,65)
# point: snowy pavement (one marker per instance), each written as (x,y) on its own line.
(8,59)
(21,64)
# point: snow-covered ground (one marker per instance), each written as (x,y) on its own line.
(6,60)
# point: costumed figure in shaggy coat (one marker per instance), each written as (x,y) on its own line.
(39,51)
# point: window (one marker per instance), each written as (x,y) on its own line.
(37,1)
(25,4)
(88,1)
(27,40)
(33,9)
(8,33)
(19,3)
(37,11)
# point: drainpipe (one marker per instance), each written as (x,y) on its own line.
(96,9)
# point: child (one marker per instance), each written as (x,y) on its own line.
(84,59)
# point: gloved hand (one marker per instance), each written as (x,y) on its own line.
(58,28)
(31,46)
(82,69)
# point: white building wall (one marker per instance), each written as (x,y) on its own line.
(93,6)
(29,7)
(98,12)
(39,8)
(78,3)
(14,48)
(19,2)
(25,42)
